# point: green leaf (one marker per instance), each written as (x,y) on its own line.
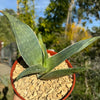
(43,47)
(61,73)
(36,69)
(27,41)
(67,52)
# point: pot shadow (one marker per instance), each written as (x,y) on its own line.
(22,62)
(5,91)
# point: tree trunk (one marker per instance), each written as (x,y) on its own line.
(18,7)
(68,20)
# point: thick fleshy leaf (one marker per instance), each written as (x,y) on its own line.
(62,72)
(27,41)
(67,52)
(43,47)
(36,69)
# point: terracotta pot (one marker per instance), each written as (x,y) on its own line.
(51,53)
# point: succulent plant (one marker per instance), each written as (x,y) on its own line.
(34,52)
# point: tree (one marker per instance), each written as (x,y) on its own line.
(26,13)
(82,10)
(96,47)
(96,31)
(55,15)
(69,16)
(76,33)
(85,9)
(56,12)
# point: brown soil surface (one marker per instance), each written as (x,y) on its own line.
(32,88)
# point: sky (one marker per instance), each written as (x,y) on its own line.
(40,6)
(10,4)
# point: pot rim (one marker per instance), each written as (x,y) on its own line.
(52,53)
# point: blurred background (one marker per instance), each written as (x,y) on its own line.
(61,23)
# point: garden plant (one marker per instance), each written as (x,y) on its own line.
(34,53)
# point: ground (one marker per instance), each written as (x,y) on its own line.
(6,92)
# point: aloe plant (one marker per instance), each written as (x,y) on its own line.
(34,52)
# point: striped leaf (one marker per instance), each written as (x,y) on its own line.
(36,69)
(56,59)
(27,41)
(43,47)
(62,72)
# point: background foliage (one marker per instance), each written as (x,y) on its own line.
(25,12)
(6,34)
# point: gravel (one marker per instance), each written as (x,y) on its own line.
(32,88)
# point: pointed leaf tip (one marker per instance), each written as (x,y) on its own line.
(56,59)
(27,41)
(63,72)
(43,47)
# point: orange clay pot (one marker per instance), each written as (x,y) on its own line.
(51,53)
